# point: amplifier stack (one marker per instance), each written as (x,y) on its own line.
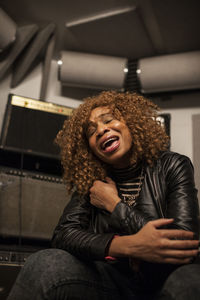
(32,193)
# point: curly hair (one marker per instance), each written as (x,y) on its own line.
(81,167)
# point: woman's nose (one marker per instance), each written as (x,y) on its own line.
(101,129)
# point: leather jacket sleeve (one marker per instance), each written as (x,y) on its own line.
(128,220)
(74,232)
(182,202)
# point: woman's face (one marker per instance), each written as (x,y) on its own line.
(109,139)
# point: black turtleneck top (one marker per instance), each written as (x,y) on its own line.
(129,182)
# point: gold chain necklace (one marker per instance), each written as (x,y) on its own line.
(130,200)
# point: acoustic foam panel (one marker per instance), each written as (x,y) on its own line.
(25,61)
(170,72)
(24,35)
(7,30)
(92,70)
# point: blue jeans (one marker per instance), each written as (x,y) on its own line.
(55,274)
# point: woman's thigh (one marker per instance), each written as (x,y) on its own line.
(55,274)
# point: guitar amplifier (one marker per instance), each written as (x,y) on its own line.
(31,203)
(8,275)
(11,263)
(30,126)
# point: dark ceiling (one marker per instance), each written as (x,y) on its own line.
(126,28)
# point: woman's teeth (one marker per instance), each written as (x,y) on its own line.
(108,142)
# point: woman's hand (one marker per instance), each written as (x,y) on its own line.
(104,195)
(154,244)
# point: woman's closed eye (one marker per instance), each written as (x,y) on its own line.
(108,120)
(91,130)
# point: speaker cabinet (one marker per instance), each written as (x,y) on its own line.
(8,275)
(31,204)
(11,263)
(30,126)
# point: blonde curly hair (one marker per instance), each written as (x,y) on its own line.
(81,167)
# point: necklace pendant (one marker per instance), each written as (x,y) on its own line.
(129,200)
(131,187)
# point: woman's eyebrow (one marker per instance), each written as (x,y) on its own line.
(102,116)
(92,123)
(105,115)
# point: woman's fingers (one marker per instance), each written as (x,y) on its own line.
(177,261)
(181,253)
(109,180)
(161,222)
(154,244)
(182,244)
(178,234)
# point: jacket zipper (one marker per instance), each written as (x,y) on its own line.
(157,198)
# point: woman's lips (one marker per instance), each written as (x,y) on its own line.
(107,141)
(115,144)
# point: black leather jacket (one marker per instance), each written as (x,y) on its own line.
(168,191)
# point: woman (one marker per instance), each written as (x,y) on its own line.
(133,215)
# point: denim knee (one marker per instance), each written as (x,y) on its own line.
(182,284)
(53,266)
